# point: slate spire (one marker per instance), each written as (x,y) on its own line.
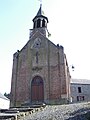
(40,20)
(40,12)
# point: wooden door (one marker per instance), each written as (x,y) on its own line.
(37,90)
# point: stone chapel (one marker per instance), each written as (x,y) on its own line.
(40,71)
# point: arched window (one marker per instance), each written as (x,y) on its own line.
(38,23)
(43,23)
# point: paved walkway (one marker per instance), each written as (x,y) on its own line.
(62,112)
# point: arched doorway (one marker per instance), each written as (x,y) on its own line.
(37,90)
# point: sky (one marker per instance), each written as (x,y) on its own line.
(69,25)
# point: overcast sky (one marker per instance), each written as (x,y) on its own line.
(69,25)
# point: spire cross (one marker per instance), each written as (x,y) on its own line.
(40,2)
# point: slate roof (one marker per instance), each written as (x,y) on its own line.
(3,97)
(80,81)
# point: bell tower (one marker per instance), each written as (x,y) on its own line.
(39,23)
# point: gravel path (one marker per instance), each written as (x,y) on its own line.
(62,112)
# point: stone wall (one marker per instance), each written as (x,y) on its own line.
(84,95)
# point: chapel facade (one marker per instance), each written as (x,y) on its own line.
(40,71)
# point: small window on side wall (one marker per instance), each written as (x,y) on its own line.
(79,90)
(80,98)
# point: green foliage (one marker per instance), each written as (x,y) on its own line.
(7,95)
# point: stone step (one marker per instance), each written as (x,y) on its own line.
(7,116)
(17,113)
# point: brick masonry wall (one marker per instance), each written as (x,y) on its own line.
(50,66)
